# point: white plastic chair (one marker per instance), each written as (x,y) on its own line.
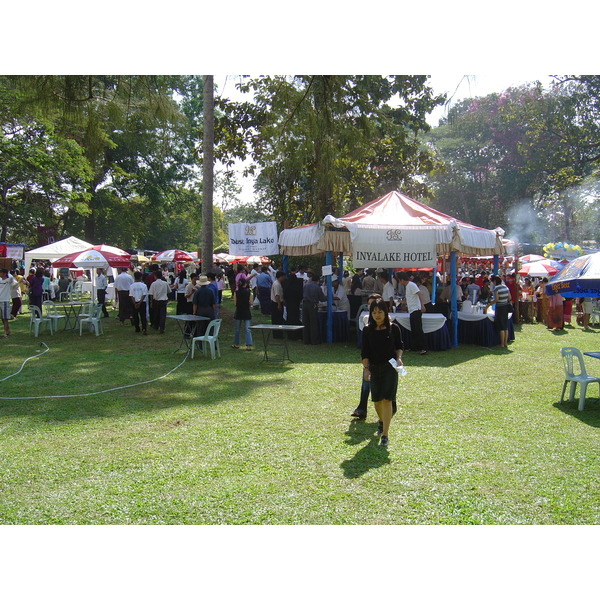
(36,319)
(569,356)
(52,313)
(211,337)
(93,318)
(70,293)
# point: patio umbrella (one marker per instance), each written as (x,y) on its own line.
(257,259)
(539,268)
(111,249)
(215,257)
(530,258)
(579,278)
(173,256)
(94,259)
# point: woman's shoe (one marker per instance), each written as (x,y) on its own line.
(249,348)
(358,415)
(236,347)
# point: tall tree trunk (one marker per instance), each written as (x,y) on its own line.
(208,138)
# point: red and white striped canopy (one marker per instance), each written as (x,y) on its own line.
(93,259)
(173,256)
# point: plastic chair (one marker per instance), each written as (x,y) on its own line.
(569,356)
(36,319)
(361,309)
(92,318)
(70,293)
(211,337)
(52,313)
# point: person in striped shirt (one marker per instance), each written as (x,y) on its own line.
(502,299)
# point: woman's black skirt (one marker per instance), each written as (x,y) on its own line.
(384,382)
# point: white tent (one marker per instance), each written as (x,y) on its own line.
(55,251)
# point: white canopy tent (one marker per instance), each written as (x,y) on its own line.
(55,251)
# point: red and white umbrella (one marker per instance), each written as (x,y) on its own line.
(530,258)
(93,259)
(264,260)
(173,256)
(539,268)
(112,249)
(215,257)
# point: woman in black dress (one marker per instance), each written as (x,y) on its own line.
(381,342)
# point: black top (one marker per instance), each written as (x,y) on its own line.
(379,345)
(203,296)
(242,305)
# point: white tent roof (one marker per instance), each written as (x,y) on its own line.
(55,251)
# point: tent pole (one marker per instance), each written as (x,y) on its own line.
(453,303)
(329,334)
(284,264)
(496,265)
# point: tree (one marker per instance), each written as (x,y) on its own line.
(208,140)
(326,144)
(41,174)
(525,146)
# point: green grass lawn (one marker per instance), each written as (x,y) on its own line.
(480,436)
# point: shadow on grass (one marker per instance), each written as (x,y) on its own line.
(371,456)
(590,415)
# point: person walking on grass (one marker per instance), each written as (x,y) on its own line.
(242,298)
(416,307)
(381,341)
(6,284)
(138,294)
(158,294)
(502,299)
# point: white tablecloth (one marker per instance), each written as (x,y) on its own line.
(431,321)
(466,316)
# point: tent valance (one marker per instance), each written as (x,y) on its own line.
(394,210)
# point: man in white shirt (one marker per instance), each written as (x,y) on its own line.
(416,307)
(159,296)
(6,284)
(138,293)
(302,274)
(387,292)
(123,281)
(101,286)
(339,295)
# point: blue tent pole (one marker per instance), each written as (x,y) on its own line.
(453,303)
(433,282)
(329,333)
(496,265)
(341,267)
(284,264)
